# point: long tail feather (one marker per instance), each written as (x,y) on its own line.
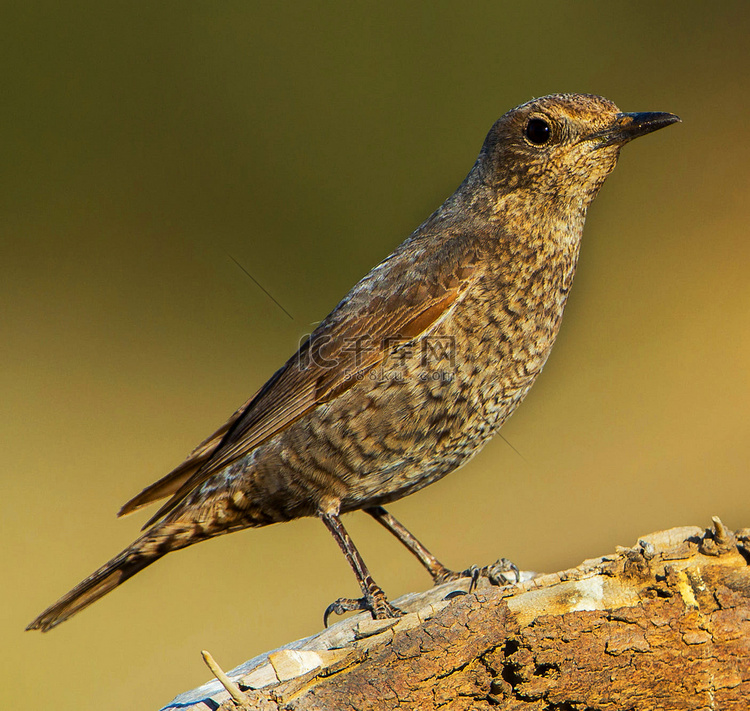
(148,548)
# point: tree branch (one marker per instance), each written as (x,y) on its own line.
(664,625)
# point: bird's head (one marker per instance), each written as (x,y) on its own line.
(559,149)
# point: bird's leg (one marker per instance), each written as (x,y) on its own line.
(374,598)
(440,574)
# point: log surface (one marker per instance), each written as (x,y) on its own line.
(663,625)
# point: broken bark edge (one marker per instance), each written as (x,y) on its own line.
(663,625)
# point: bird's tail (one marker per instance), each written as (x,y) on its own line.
(151,546)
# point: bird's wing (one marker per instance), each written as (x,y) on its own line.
(320,371)
(170,483)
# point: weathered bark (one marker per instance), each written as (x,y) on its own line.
(664,625)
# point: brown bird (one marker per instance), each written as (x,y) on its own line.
(416,368)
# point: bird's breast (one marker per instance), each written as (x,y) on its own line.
(431,404)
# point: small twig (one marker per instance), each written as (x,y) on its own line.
(721,535)
(234,690)
(513,448)
(261,287)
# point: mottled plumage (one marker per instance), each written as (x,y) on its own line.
(416,368)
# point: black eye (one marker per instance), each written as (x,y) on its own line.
(538,131)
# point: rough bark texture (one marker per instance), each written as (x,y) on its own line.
(664,625)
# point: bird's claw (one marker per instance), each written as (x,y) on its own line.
(376,604)
(496,573)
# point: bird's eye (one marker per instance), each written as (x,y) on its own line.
(538,131)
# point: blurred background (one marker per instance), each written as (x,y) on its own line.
(147,145)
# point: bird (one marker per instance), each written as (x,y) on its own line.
(417,367)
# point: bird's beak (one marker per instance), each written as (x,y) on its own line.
(626,127)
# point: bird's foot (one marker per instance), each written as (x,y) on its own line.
(496,573)
(375,602)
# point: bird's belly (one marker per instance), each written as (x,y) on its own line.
(415,430)
(400,427)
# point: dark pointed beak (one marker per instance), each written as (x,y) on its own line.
(626,126)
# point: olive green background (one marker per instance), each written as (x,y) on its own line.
(146,144)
